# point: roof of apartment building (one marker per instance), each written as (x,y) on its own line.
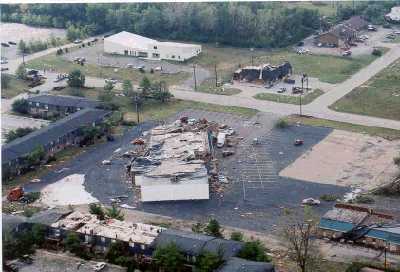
(110,228)
(194,243)
(241,265)
(24,145)
(64,101)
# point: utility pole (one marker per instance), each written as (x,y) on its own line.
(216,76)
(194,76)
(302,90)
(137,107)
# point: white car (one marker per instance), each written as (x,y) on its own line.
(191,121)
(99,266)
(230,131)
(106,162)
(311,201)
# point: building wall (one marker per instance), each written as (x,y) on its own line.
(328,39)
(154,51)
(165,192)
(47,111)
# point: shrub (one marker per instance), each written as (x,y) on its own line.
(20,106)
(128,123)
(76,79)
(281,123)
(96,209)
(31,197)
(254,251)
(19,132)
(169,258)
(115,213)
(237,236)
(377,52)
(363,199)
(329,197)
(213,228)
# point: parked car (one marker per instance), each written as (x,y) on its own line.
(12,43)
(106,162)
(346,53)
(191,121)
(77,41)
(282,90)
(311,201)
(111,80)
(372,28)
(99,266)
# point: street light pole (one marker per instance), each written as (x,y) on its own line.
(216,76)
(301,93)
(137,107)
(194,76)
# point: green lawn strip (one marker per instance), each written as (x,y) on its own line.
(208,86)
(61,157)
(61,65)
(153,110)
(389,134)
(308,98)
(14,87)
(379,96)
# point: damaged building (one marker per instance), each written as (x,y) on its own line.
(361,225)
(263,74)
(174,164)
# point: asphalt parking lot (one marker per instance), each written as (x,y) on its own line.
(256,196)
(95,55)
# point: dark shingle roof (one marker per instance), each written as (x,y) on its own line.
(240,265)
(11,222)
(24,145)
(48,217)
(356,22)
(64,101)
(194,243)
(227,248)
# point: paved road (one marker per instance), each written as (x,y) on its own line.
(318,108)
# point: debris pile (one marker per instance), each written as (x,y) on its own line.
(176,162)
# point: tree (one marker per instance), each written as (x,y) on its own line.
(298,236)
(237,236)
(161,93)
(214,229)
(254,251)
(21,72)
(17,133)
(22,47)
(36,156)
(169,258)
(95,208)
(127,88)
(105,96)
(115,213)
(208,262)
(116,250)
(145,84)
(198,227)
(38,234)
(76,79)
(72,242)
(5,81)
(20,105)
(108,86)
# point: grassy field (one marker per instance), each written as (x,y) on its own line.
(390,134)
(308,98)
(15,86)
(208,86)
(331,69)
(154,110)
(379,96)
(61,65)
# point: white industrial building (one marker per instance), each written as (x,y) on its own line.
(129,44)
(394,15)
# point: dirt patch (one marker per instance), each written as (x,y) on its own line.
(347,159)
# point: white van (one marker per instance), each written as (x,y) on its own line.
(221,139)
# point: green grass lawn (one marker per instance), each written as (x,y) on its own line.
(14,87)
(308,98)
(61,65)
(390,134)
(208,86)
(331,69)
(379,96)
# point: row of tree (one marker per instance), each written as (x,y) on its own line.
(38,45)
(239,24)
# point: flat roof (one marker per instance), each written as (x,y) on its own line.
(64,100)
